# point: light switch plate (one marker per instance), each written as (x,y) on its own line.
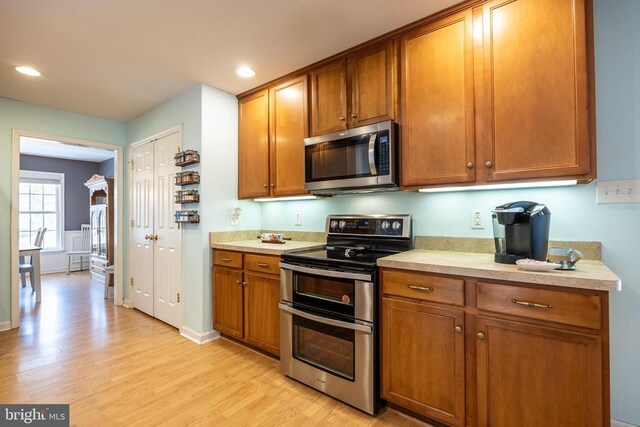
(624,191)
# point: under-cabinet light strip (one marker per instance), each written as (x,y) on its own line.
(284,199)
(501,186)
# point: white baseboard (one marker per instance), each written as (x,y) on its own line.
(5,326)
(199,337)
(617,423)
(126,303)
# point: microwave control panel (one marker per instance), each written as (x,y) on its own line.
(383,154)
(380,226)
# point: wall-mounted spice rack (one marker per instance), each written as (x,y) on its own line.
(187,217)
(187,177)
(186,157)
(187,196)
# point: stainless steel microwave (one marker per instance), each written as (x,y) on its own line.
(355,160)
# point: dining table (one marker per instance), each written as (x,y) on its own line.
(34,253)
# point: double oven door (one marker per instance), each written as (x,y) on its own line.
(328,333)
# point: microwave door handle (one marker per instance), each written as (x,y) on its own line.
(326,321)
(372,155)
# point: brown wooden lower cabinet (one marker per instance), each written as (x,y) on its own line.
(514,364)
(423,368)
(245,298)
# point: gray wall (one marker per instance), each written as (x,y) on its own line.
(76,195)
(106,168)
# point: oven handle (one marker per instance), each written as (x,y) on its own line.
(327,273)
(326,321)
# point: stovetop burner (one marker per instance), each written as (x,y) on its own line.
(357,241)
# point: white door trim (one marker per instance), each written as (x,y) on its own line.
(171,130)
(118,152)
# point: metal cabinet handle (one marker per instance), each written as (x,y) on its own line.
(262,264)
(354,116)
(273,185)
(265,185)
(531,304)
(244,283)
(458,329)
(488,165)
(480,335)
(469,165)
(420,288)
(225,259)
(238,282)
(343,118)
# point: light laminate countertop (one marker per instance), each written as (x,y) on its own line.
(587,275)
(256,246)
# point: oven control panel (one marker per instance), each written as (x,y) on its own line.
(370,225)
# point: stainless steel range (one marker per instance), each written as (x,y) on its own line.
(329,307)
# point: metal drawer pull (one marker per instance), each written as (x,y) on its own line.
(420,288)
(226,259)
(262,264)
(531,304)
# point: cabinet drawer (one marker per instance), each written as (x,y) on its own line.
(228,259)
(263,263)
(423,287)
(554,306)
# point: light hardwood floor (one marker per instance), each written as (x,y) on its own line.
(117,366)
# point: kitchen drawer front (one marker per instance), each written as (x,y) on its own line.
(423,287)
(554,306)
(227,258)
(263,263)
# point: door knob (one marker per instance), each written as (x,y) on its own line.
(343,118)
(480,335)
(458,329)
(146,237)
(488,165)
(354,116)
(266,185)
(469,165)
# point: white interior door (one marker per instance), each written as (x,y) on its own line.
(142,214)
(167,253)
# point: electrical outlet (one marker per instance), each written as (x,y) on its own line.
(625,191)
(298,219)
(477,220)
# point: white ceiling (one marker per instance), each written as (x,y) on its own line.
(119,58)
(46,148)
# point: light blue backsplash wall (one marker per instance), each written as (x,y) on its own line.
(574,213)
(36,118)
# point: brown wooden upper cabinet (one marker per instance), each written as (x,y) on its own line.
(355,91)
(273,125)
(438,141)
(501,92)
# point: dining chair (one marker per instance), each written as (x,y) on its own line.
(85,249)
(27,267)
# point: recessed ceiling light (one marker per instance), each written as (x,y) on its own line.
(245,72)
(28,71)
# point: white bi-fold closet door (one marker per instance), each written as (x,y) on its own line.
(156,250)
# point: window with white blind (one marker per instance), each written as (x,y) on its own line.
(41,199)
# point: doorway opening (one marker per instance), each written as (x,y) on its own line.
(49,196)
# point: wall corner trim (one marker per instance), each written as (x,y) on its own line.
(5,326)
(199,338)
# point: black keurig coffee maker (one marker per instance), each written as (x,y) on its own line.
(521,230)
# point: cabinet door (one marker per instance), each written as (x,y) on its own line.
(329,98)
(536,89)
(227,301)
(423,359)
(534,376)
(438,142)
(262,315)
(253,146)
(372,85)
(288,122)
